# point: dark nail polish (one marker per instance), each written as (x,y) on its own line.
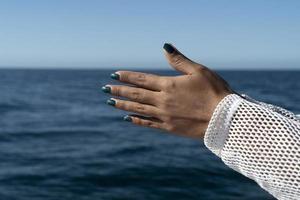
(115,76)
(106,89)
(111,102)
(169,48)
(127,118)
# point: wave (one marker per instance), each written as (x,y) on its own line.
(7,107)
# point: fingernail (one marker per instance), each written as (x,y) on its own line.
(127,118)
(111,102)
(169,48)
(115,76)
(106,89)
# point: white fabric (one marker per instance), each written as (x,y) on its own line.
(259,140)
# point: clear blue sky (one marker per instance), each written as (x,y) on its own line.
(127,34)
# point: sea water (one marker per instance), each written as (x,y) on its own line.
(59,140)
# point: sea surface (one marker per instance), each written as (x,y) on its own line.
(59,140)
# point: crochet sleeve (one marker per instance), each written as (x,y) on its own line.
(258,140)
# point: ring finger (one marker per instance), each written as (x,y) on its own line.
(135,107)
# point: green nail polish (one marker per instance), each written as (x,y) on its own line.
(127,118)
(111,102)
(115,76)
(106,89)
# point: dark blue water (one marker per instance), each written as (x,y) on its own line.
(58,140)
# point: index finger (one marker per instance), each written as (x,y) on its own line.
(144,80)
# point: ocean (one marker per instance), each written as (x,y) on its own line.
(59,140)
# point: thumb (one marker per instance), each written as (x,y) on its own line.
(178,61)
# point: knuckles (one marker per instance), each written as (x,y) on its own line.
(136,95)
(147,123)
(170,128)
(121,105)
(116,91)
(131,93)
(139,108)
(177,59)
(203,71)
(132,76)
(140,78)
(133,107)
(137,121)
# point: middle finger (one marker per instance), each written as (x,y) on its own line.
(135,94)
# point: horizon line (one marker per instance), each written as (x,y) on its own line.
(137,68)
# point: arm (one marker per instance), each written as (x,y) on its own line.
(260,141)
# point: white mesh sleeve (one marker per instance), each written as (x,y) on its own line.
(260,141)
(277,109)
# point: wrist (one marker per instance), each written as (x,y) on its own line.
(218,126)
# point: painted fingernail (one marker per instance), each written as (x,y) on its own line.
(106,89)
(111,102)
(169,48)
(115,76)
(127,118)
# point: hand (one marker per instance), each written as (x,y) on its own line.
(179,104)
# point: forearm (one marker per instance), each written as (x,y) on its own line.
(260,141)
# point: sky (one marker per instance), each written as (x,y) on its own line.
(221,34)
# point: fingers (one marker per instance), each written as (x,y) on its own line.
(135,107)
(147,81)
(134,94)
(144,121)
(180,62)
